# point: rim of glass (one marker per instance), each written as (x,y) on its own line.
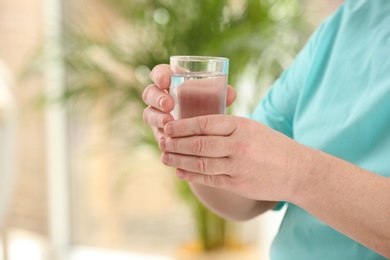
(198,58)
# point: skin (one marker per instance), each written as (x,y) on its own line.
(239,179)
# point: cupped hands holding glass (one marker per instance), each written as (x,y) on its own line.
(210,148)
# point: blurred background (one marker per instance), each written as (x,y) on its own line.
(80,174)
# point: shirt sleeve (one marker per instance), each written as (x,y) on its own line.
(277,108)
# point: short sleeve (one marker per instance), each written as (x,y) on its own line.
(277,108)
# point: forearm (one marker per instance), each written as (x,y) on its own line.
(352,200)
(229,204)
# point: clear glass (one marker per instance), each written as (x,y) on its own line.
(198,85)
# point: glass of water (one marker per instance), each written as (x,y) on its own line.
(198,85)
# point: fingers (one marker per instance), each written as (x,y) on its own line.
(154,117)
(161,76)
(222,125)
(206,146)
(159,102)
(158,98)
(204,165)
(156,95)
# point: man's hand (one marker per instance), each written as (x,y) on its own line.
(232,153)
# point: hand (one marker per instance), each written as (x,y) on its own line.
(160,103)
(232,153)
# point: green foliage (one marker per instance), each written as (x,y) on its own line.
(111,65)
(264,33)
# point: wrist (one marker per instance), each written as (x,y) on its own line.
(301,174)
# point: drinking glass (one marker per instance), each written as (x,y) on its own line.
(198,85)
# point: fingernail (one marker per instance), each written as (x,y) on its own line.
(161,101)
(168,129)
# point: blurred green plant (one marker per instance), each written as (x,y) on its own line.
(109,61)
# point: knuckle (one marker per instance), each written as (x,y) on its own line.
(208,180)
(197,146)
(156,78)
(203,123)
(214,181)
(177,160)
(162,79)
(159,79)
(201,164)
(171,144)
(211,166)
(241,147)
(165,81)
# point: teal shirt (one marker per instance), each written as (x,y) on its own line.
(335,97)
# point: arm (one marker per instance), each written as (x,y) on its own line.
(352,200)
(229,204)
